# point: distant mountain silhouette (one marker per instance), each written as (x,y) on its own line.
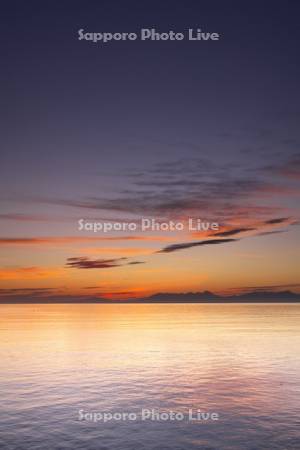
(210,297)
(256,296)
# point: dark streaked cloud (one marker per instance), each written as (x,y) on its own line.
(266,233)
(27,292)
(233,232)
(185,245)
(266,287)
(83,262)
(185,187)
(277,221)
(91,287)
(133,263)
(12,290)
(72,239)
(257,227)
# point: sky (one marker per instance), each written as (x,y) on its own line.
(165,130)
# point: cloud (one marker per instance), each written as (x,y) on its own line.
(266,287)
(266,233)
(183,187)
(25,273)
(277,221)
(185,245)
(133,263)
(24,218)
(82,262)
(86,263)
(233,232)
(75,239)
(228,192)
(26,292)
(11,290)
(260,227)
(91,287)
(124,251)
(289,169)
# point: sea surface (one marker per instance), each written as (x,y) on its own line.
(62,366)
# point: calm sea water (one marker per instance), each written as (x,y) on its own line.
(239,361)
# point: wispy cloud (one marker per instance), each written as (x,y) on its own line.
(267,287)
(289,169)
(233,232)
(76,239)
(182,188)
(27,292)
(266,233)
(25,218)
(82,262)
(185,245)
(29,273)
(277,221)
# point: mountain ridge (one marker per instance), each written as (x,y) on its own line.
(256,296)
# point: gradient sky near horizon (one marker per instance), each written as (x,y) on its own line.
(161,129)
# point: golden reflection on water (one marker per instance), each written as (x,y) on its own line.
(240,360)
(133,335)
